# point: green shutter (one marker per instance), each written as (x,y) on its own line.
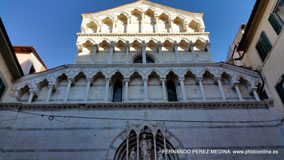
(280,91)
(267,44)
(282,1)
(274,23)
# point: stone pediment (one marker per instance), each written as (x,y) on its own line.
(143,6)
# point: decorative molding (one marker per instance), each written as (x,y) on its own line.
(164,105)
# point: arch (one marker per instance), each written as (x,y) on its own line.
(135,46)
(107,25)
(136,18)
(116,72)
(186,71)
(97,72)
(199,46)
(92,27)
(183,46)
(167,46)
(154,71)
(202,72)
(194,26)
(178,25)
(104,46)
(139,59)
(121,25)
(79,75)
(151,46)
(120,46)
(151,39)
(88,46)
(88,39)
(164,23)
(136,71)
(149,21)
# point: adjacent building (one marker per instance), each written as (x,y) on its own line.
(29,59)
(260,47)
(143,81)
(10,69)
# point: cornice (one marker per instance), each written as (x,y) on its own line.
(165,105)
(143,34)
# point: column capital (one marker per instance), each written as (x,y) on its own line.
(145,79)
(127,43)
(112,43)
(143,44)
(89,79)
(181,78)
(235,83)
(216,79)
(126,79)
(71,80)
(191,43)
(159,44)
(107,79)
(163,78)
(199,79)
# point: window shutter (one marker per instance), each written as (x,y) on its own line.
(261,50)
(274,23)
(267,44)
(280,91)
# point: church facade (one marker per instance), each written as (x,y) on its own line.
(143,81)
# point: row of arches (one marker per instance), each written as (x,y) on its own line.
(151,45)
(142,22)
(119,88)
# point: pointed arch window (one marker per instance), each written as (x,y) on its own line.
(117,92)
(172,94)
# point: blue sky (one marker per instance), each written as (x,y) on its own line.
(51,26)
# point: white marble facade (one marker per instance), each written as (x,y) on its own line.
(143,80)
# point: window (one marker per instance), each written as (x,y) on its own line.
(2,88)
(117,92)
(280,88)
(140,60)
(276,18)
(172,94)
(263,46)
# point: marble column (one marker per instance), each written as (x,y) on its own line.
(145,89)
(144,52)
(236,86)
(127,45)
(176,51)
(155,147)
(89,81)
(164,89)
(191,45)
(32,94)
(218,79)
(137,138)
(70,81)
(157,24)
(111,52)
(171,25)
(106,89)
(94,52)
(199,80)
(142,23)
(160,51)
(165,147)
(254,91)
(49,92)
(127,147)
(126,81)
(181,81)
(127,27)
